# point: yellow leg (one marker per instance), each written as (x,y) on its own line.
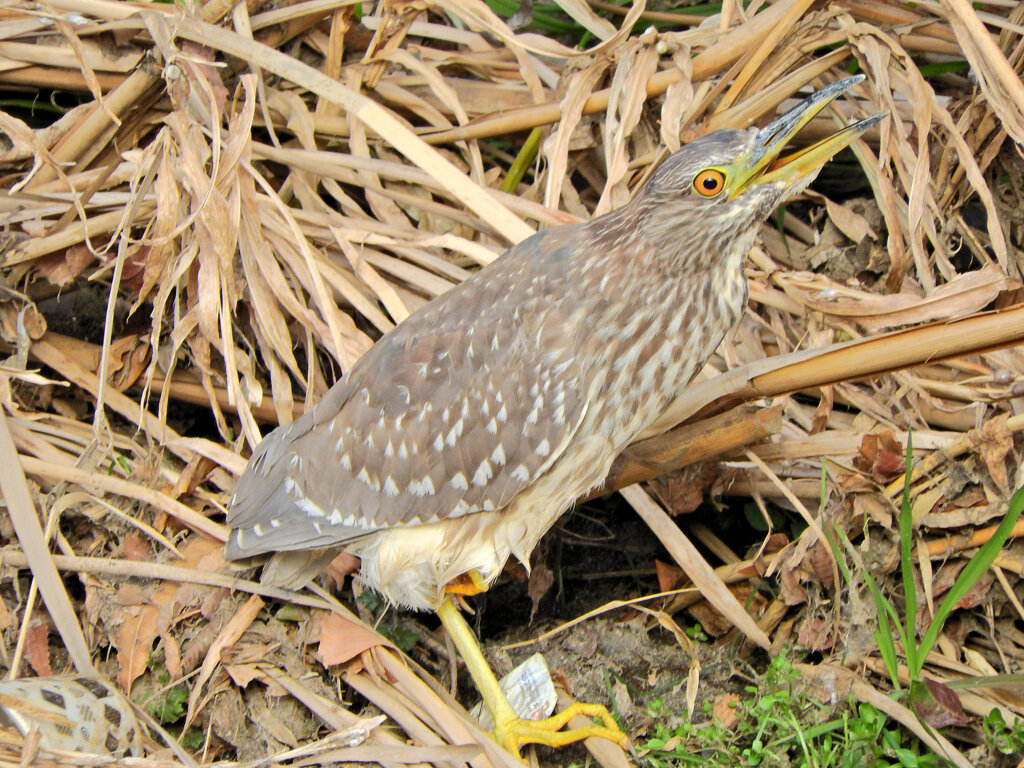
(511,731)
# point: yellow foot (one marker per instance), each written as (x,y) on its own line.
(467,584)
(513,733)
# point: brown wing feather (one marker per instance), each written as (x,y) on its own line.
(451,414)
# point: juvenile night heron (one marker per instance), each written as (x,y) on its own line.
(464,433)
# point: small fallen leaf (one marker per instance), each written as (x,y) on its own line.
(340,567)
(541,580)
(849,222)
(881,455)
(937,704)
(669,576)
(816,635)
(62,268)
(37,648)
(792,591)
(136,548)
(342,639)
(994,441)
(5,616)
(242,674)
(725,709)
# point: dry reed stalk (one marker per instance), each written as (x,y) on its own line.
(260,268)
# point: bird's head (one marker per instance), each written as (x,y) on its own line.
(722,185)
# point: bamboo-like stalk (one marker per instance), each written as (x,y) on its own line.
(260,268)
(849,361)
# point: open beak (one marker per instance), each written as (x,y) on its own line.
(765,165)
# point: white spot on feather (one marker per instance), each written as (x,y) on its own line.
(483,473)
(459,482)
(424,487)
(454,433)
(544,448)
(309,507)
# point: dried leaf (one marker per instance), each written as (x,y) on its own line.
(541,581)
(994,441)
(881,456)
(850,223)
(724,709)
(342,640)
(37,647)
(937,704)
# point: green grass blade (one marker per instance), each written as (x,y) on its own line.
(907,566)
(969,576)
(884,611)
(522,162)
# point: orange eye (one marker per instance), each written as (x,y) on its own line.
(709,182)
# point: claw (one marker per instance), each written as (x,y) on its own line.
(511,731)
(515,732)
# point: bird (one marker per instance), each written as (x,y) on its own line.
(462,435)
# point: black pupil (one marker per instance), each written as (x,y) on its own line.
(710,183)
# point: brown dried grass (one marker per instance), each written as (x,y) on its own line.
(275,187)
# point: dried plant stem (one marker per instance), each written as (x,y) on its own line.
(711,438)
(709,61)
(930,463)
(940,549)
(850,361)
(22,512)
